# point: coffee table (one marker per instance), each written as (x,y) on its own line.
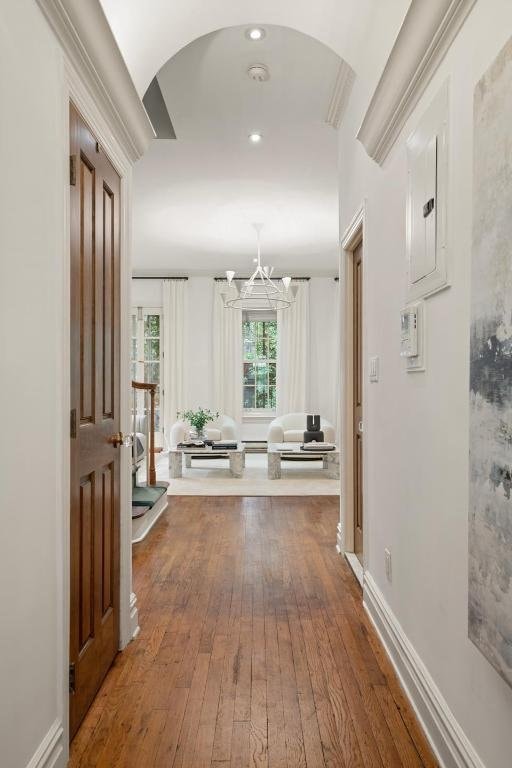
(278,451)
(236,459)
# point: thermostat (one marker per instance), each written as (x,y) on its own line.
(409,332)
(411,336)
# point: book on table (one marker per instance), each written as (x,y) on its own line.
(321,447)
(191,444)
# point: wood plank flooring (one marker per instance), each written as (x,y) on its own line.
(254,650)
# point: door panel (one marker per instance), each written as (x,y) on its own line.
(108,253)
(357,346)
(87,283)
(108,519)
(95,510)
(85,585)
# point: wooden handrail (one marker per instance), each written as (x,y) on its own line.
(151,388)
(144,385)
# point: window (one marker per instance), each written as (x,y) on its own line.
(259,362)
(147,353)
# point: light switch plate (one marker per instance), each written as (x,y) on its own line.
(374,368)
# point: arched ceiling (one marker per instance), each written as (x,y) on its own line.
(196,197)
(149,32)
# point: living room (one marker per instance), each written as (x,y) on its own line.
(273,355)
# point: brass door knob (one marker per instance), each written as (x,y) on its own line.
(116,439)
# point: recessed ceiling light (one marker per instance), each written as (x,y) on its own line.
(255,137)
(255,33)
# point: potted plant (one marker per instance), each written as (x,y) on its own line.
(198,419)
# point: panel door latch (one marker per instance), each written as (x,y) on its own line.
(428,207)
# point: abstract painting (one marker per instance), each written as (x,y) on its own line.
(490,501)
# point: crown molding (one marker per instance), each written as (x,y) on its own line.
(87,40)
(340,95)
(354,232)
(424,38)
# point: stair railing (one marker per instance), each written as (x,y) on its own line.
(148,390)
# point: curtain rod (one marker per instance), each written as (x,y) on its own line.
(220,279)
(157,277)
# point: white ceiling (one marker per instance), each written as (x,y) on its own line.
(149,33)
(195,198)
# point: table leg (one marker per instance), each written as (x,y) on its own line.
(332,465)
(236,463)
(175,464)
(273,466)
(188,460)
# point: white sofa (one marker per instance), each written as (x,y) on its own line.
(223,428)
(290,428)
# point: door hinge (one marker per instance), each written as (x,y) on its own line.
(72,679)
(72,170)
(72,423)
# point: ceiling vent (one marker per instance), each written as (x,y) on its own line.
(259,73)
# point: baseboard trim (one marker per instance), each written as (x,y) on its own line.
(356,567)
(340,544)
(448,740)
(50,749)
(134,617)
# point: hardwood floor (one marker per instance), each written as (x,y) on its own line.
(255,650)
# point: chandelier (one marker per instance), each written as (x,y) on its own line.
(259,293)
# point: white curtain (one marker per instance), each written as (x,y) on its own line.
(174,379)
(227,356)
(336,356)
(293,353)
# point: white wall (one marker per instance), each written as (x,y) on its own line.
(416,429)
(323,341)
(33,469)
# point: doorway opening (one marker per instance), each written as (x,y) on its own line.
(352,499)
(235,163)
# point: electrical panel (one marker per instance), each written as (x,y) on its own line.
(423,191)
(427,170)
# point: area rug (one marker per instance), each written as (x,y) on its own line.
(212,478)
